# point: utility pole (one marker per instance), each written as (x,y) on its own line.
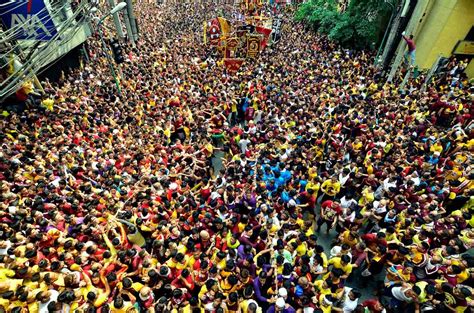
(133,21)
(116,17)
(128,26)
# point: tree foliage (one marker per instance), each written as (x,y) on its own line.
(359,26)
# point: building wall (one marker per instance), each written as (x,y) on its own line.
(470,69)
(447,22)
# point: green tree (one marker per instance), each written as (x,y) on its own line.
(359,26)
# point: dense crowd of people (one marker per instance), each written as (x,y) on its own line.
(287,187)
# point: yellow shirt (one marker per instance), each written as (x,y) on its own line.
(48,104)
(347,240)
(202,292)
(331,188)
(463,276)
(241,227)
(314,186)
(245,304)
(319,286)
(323,306)
(357,146)
(126,306)
(436,148)
(137,286)
(367,197)
(209,149)
(33,307)
(101,299)
(187,309)
(337,263)
(4,303)
(312,173)
(6,274)
(308,233)
(325,259)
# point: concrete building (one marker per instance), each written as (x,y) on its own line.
(448,29)
(441,28)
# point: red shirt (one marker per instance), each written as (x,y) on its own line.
(327,205)
(371,240)
(371,304)
(309,199)
(178,283)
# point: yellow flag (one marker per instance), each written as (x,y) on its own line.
(225,26)
(205,32)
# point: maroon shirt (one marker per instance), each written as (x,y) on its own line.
(410,44)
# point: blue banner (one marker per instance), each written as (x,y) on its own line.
(30,18)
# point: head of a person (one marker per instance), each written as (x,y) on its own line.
(280,304)
(345,259)
(354,294)
(262,277)
(118,302)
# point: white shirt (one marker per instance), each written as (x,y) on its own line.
(4,251)
(243,143)
(336,251)
(378,208)
(343,179)
(345,203)
(215,195)
(348,305)
(387,184)
(43,307)
(399,294)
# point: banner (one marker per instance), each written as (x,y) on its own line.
(266,35)
(214,31)
(233,65)
(31,18)
(224,25)
(222,44)
(243,31)
(231,47)
(232,43)
(253,45)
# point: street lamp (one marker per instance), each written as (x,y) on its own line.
(117,8)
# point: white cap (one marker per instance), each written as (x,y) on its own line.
(282,292)
(280,303)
